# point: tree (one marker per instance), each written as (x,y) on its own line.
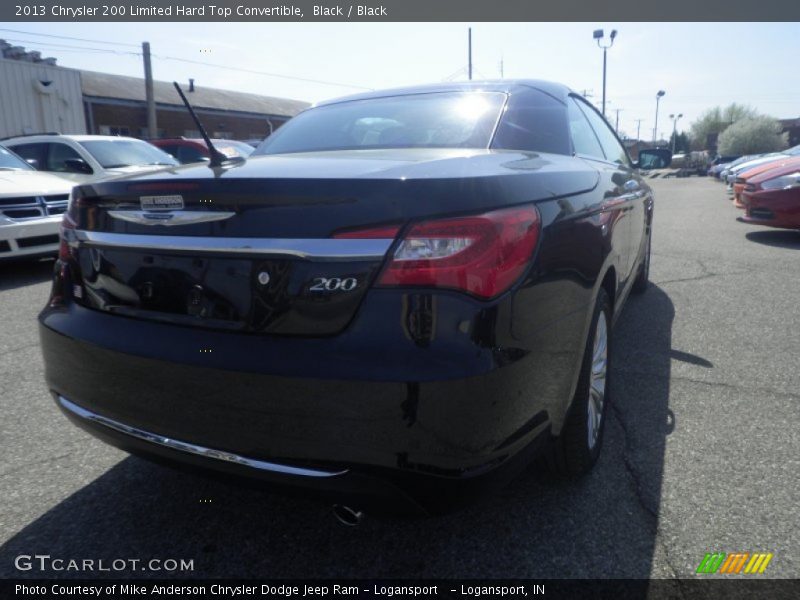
(753,136)
(706,129)
(681,140)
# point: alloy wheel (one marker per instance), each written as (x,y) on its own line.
(597,381)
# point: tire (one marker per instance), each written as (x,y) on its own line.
(575,451)
(643,276)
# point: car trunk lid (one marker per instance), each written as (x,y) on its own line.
(254,247)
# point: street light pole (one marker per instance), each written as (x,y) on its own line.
(598,35)
(469,53)
(674,129)
(604,80)
(655,127)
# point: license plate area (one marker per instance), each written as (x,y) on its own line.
(249,294)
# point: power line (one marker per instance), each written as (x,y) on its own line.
(253,71)
(66,37)
(70,47)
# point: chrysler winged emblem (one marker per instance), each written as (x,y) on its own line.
(167,210)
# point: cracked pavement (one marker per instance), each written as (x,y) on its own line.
(701,449)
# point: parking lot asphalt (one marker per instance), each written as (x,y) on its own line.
(701,453)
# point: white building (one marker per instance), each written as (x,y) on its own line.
(36,96)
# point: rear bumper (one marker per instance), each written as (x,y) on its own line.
(28,238)
(364,490)
(398,433)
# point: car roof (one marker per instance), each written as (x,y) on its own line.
(507,86)
(200,141)
(789,166)
(766,166)
(34,138)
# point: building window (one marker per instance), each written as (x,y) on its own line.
(114,130)
(223,134)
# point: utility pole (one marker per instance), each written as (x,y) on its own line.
(616,125)
(638,128)
(469,53)
(501,67)
(587,93)
(152,125)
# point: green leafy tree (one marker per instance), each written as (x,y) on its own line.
(752,136)
(707,128)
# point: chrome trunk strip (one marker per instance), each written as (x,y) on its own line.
(169,219)
(316,249)
(160,440)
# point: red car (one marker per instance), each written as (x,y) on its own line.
(192,150)
(745,176)
(772,198)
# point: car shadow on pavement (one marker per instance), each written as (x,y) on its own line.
(19,273)
(603,525)
(778,238)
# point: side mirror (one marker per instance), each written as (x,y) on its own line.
(32,162)
(654,158)
(78,165)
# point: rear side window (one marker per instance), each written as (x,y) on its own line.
(584,140)
(613,150)
(535,122)
(37,152)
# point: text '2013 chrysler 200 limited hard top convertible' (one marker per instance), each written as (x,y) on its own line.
(400,297)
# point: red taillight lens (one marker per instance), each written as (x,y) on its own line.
(67,222)
(482,255)
(387,232)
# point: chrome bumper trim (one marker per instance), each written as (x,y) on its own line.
(160,440)
(322,249)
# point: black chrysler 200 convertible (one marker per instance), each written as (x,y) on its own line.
(398,298)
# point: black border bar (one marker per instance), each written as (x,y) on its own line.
(702,587)
(397,10)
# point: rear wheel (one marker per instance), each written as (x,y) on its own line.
(576,450)
(643,277)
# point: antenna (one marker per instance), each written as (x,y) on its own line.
(217,157)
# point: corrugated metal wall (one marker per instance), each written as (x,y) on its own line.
(29,104)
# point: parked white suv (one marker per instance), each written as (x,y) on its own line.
(83,158)
(31,205)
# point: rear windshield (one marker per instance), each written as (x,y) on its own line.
(113,154)
(436,120)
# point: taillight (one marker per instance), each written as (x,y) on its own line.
(482,255)
(68,221)
(388,232)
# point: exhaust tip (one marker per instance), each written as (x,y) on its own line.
(347,515)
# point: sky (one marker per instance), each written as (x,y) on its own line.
(698,65)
